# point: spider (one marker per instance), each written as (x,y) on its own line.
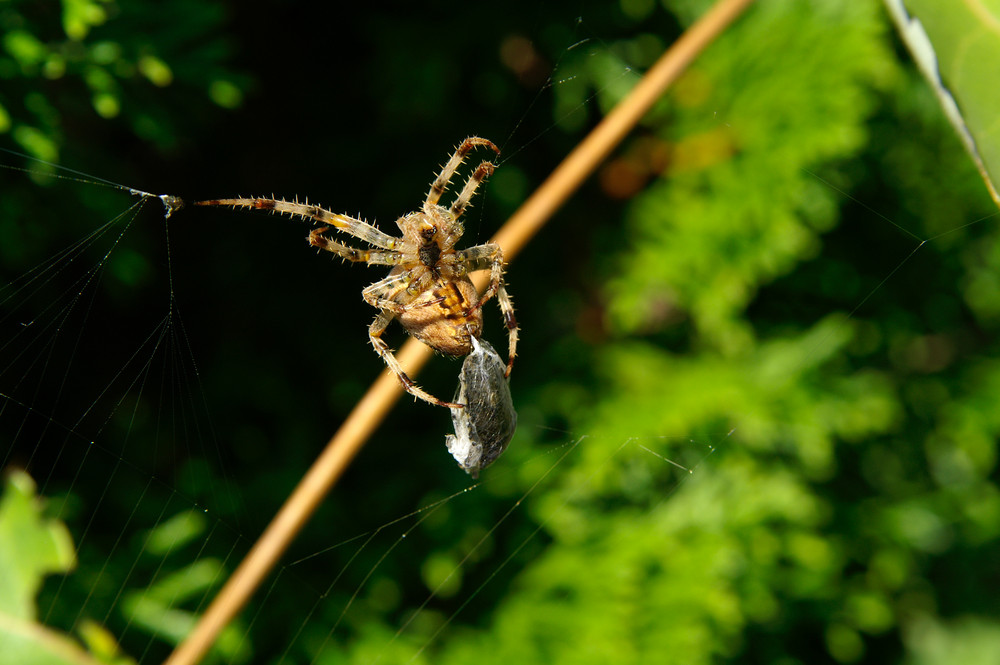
(428,288)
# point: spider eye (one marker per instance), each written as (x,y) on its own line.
(429,232)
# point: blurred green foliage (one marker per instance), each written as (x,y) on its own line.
(31,547)
(58,58)
(785,282)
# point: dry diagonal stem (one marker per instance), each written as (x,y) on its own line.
(375,404)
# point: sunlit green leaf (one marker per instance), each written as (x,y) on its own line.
(24,47)
(106,104)
(31,547)
(27,643)
(156,70)
(102,644)
(957,45)
(174,533)
(79,16)
(970,641)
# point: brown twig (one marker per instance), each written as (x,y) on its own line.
(375,404)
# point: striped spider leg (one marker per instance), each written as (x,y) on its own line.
(428,289)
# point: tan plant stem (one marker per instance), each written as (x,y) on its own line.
(375,404)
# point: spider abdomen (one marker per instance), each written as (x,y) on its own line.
(440,317)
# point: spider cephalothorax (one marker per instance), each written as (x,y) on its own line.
(428,288)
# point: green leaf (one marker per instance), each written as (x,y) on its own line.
(102,644)
(157,610)
(79,16)
(957,46)
(36,143)
(28,643)
(225,94)
(968,640)
(177,531)
(30,547)
(156,70)
(24,47)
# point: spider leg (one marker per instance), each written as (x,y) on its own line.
(444,177)
(354,227)
(383,293)
(483,257)
(507,309)
(379,257)
(490,256)
(375,331)
(484,171)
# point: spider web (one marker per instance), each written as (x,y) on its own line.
(147,401)
(126,449)
(103,400)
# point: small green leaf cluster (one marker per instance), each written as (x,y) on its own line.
(116,55)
